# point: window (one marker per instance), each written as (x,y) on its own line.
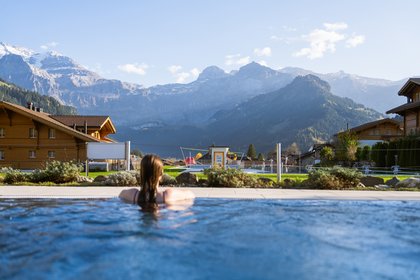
(51,154)
(51,133)
(32,154)
(2,132)
(33,132)
(1,155)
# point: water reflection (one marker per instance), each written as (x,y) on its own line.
(173,215)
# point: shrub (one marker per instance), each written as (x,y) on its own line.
(265,182)
(168,180)
(335,178)
(13,176)
(122,178)
(57,172)
(230,178)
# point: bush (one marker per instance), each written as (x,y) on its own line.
(122,178)
(168,180)
(265,182)
(13,176)
(57,172)
(230,178)
(335,178)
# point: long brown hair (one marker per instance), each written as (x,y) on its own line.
(151,168)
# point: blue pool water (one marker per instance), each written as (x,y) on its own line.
(213,239)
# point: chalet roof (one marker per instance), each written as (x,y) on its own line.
(306,155)
(69,120)
(404,107)
(408,86)
(374,123)
(45,118)
(79,121)
(319,146)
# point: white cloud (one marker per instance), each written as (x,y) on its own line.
(139,69)
(181,77)
(243,60)
(263,52)
(195,72)
(174,68)
(325,40)
(231,59)
(236,59)
(263,63)
(355,40)
(49,45)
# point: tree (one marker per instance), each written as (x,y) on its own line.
(379,153)
(252,152)
(392,154)
(272,154)
(359,154)
(137,152)
(365,155)
(260,157)
(293,149)
(346,146)
(326,154)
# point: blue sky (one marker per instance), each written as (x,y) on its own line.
(157,42)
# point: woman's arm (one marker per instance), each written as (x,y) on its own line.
(173,195)
(129,195)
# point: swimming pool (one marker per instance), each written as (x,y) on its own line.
(213,239)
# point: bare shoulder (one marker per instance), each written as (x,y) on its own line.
(173,194)
(128,195)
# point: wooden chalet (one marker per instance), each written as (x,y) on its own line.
(380,130)
(29,137)
(411,110)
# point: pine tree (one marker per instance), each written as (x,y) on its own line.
(391,153)
(260,157)
(252,152)
(366,153)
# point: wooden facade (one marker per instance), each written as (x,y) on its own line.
(381,130)
(411,110)
(29,139)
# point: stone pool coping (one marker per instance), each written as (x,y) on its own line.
(110,192)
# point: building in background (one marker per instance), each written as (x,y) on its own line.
(29,137)
(377,131)
(411,110)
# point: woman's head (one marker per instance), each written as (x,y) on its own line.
(151,171)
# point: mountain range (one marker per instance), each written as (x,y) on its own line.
(20,96)
(175,111)
(305,111)
(59,76)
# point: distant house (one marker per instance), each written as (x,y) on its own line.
(313,155)
(411,110)
(29,137)
(377,131)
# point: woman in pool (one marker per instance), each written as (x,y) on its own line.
(149,194)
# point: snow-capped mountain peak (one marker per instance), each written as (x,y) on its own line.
(9,49)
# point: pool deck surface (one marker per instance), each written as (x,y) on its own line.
(110,192)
